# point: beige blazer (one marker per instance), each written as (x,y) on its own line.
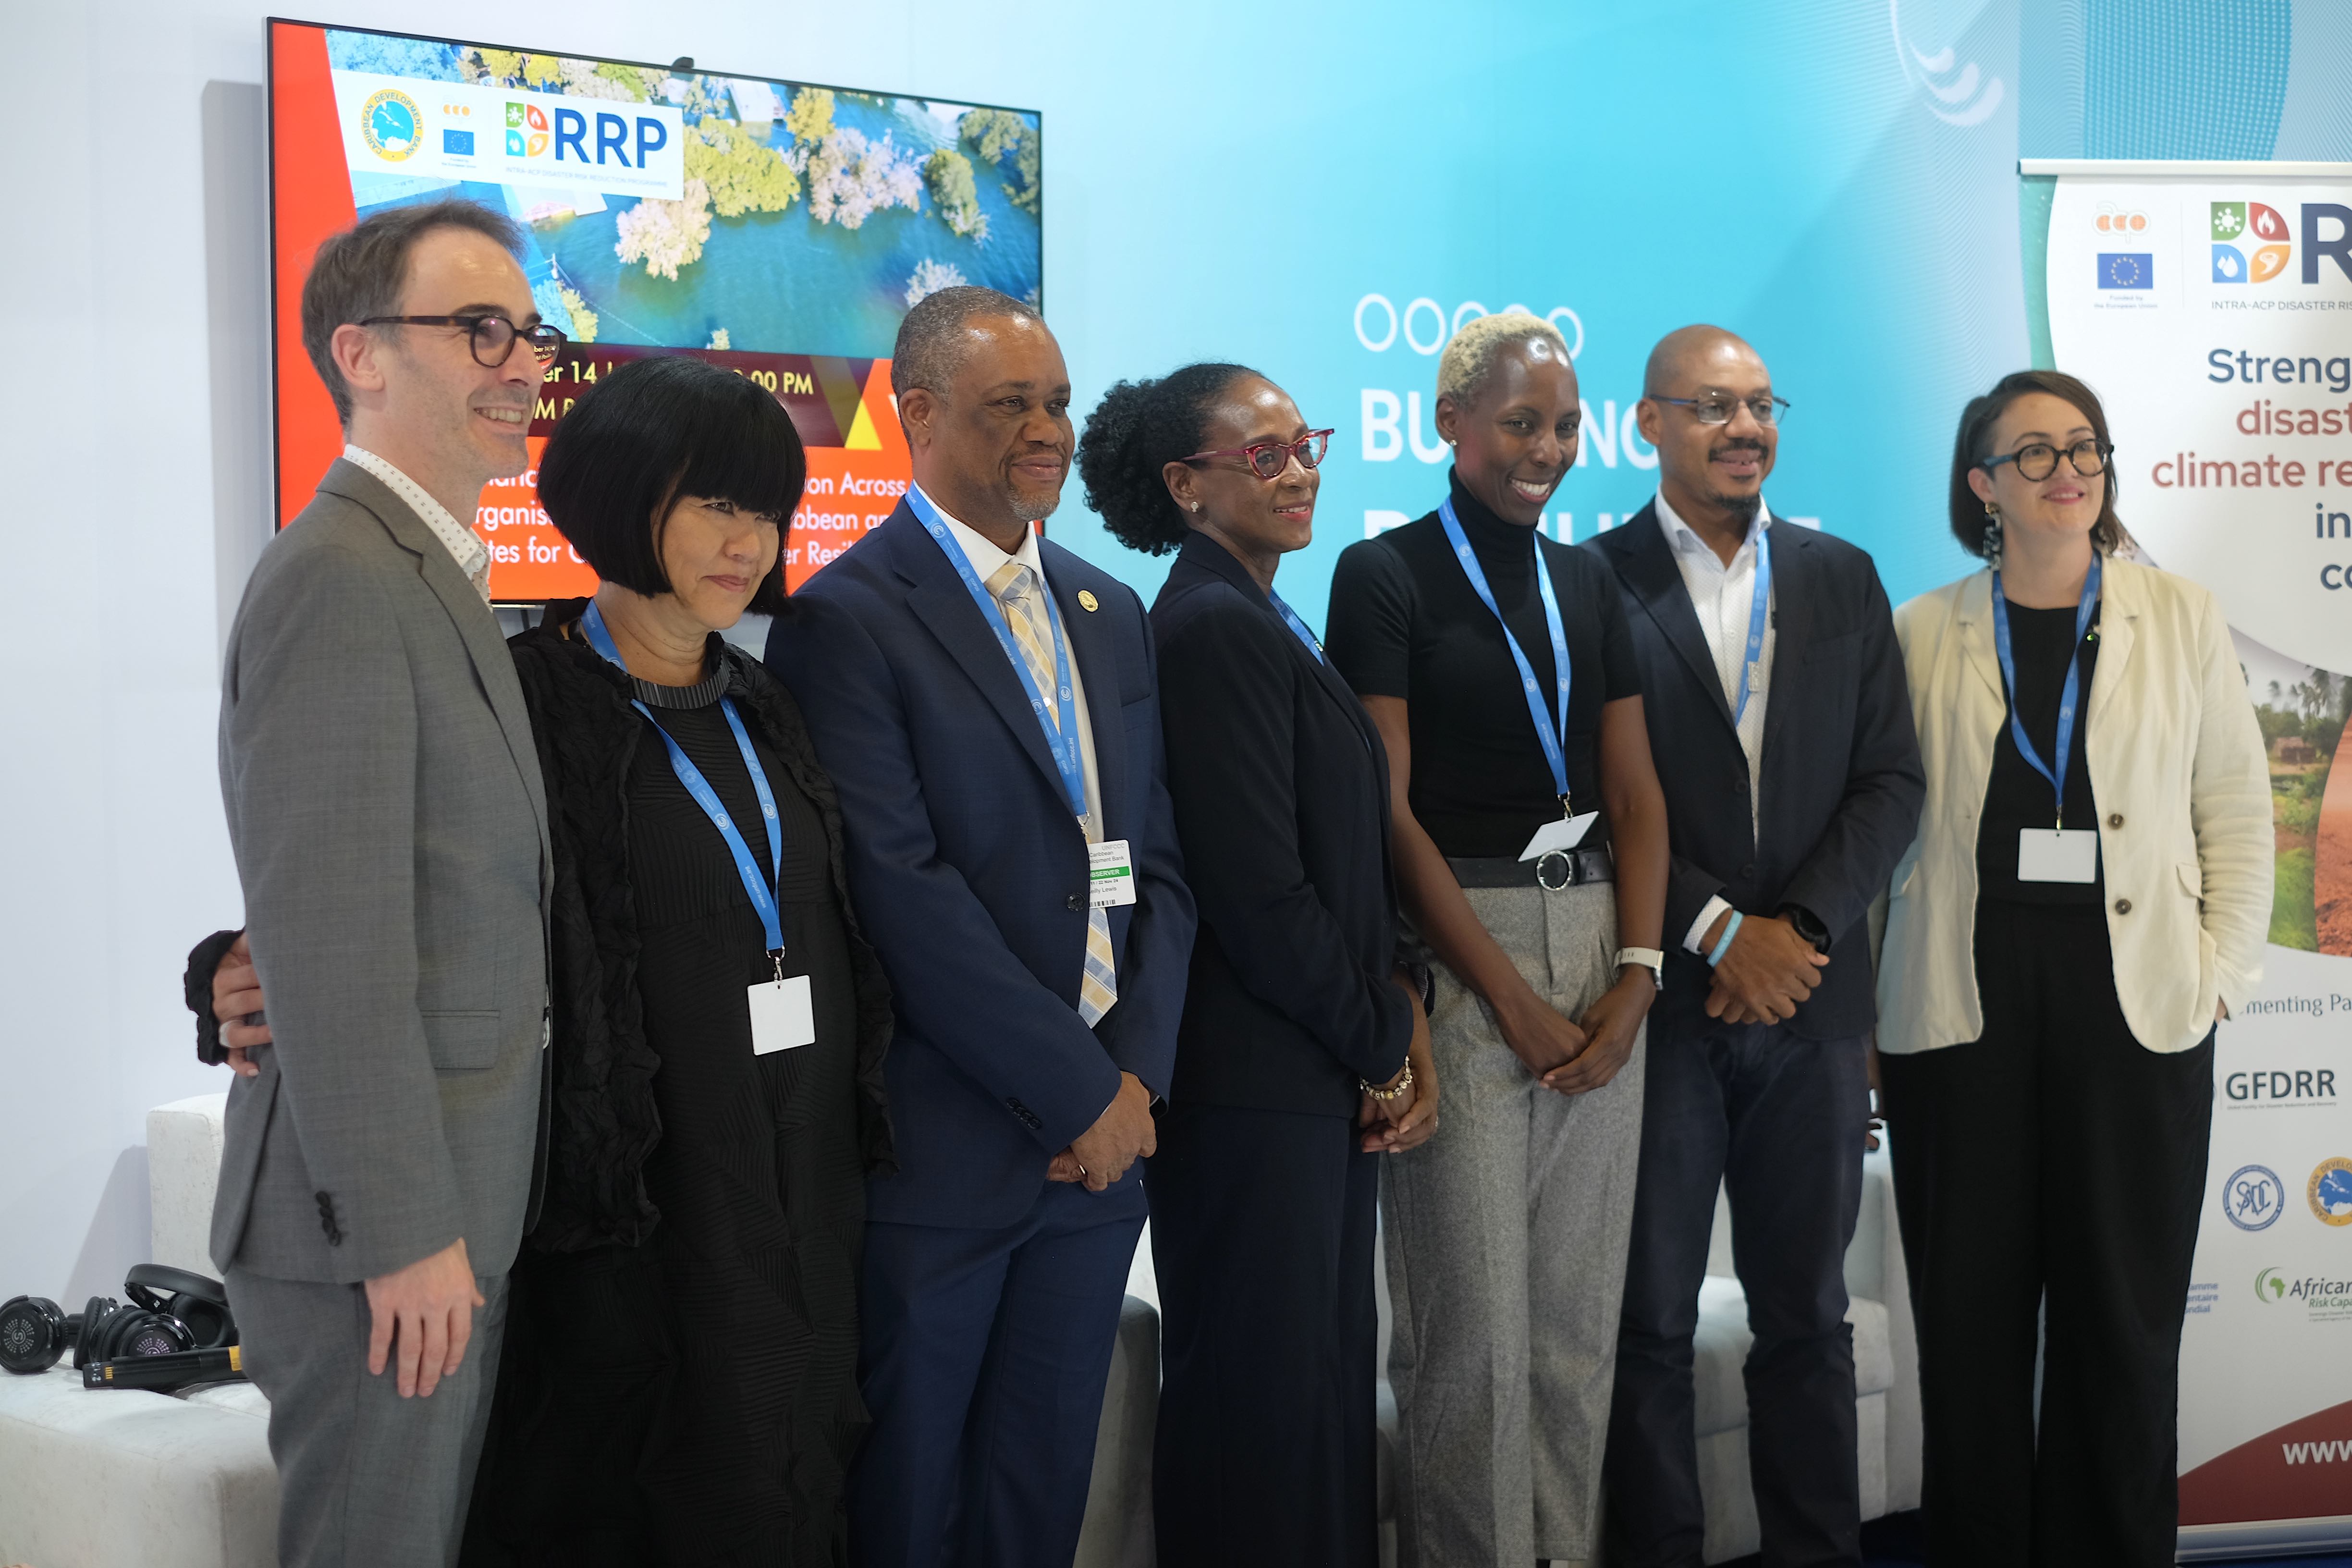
(2183,787)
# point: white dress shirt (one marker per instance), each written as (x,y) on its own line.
(985,559)
(1724,596)
(465,546)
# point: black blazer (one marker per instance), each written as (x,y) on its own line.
(1842,780)
(1282,808)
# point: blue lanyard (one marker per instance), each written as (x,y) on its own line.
(1290,617)
(1545,734)
(1061,739)
(1760,616)
(761,889)
(2068,696)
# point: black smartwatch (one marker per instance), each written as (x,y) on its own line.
(1807,925)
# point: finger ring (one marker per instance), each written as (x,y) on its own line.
(1082,1169)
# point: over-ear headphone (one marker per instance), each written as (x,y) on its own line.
(170,1310)
(198,1303)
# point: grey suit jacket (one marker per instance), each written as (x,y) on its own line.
(385,805)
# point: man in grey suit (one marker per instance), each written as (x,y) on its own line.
(384,801)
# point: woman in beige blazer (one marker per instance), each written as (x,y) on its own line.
(2060,943)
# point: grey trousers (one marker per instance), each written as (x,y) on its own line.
(365,1478)
(1506,1236)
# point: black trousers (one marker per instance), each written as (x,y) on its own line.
(1261,1237)
(1778,1122)
(2052,1163)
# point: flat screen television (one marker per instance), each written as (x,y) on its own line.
(780,229)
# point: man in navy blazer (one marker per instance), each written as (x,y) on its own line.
(931,670)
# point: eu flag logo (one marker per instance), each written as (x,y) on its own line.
(458,144)
(2127,269)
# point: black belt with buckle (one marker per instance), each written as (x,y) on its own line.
(1558,868)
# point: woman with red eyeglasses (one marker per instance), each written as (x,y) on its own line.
(1303,1053)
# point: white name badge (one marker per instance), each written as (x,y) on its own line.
(1111,874)
(1565,833)
(2057,855)
(782,1016)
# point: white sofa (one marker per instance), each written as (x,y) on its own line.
(111,1479)
(1886,1385)
(1885,1368)
(105,1480)
(122,1478)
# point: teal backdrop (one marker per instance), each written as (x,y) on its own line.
(1834,178)
(1837,183)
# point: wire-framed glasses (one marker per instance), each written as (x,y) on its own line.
(1764,408)
(1267,459)
(2038,460)
(492,338)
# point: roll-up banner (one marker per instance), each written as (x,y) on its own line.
(2210,305)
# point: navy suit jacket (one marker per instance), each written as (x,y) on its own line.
(1841,777)
(969,873)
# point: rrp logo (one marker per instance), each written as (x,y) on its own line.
(600,138)
(526,132)
(2250,242)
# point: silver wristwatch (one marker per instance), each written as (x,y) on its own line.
(1649,958)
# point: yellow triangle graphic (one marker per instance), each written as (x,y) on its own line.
(862,437)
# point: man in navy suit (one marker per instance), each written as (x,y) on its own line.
(1781,729)
(987,703)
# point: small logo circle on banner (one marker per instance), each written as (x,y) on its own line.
(390,122)
(2331,1191)
(2253,1197)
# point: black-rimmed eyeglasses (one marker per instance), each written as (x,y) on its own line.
(492,338)
(2037,460)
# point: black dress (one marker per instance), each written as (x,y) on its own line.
(678,1383)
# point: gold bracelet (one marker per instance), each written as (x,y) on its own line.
(1385,1095)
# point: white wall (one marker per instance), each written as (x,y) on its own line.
(133,451)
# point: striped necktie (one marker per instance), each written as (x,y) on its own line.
(1015,587)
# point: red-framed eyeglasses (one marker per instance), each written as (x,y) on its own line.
(1267,459)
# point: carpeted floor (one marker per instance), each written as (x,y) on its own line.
(1894,1542)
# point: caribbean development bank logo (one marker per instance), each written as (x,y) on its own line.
(389,121)
(2330,1191)
(2253,1197)
(2250,243)
(526,129)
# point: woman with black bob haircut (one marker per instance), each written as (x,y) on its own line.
(1302,1052)
(2089,893)
(678,1381)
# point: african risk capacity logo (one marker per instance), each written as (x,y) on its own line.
(2250,243)
(389,121)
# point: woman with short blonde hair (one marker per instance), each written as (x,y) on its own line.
(1501,670)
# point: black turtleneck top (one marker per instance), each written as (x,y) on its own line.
(1404,622)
